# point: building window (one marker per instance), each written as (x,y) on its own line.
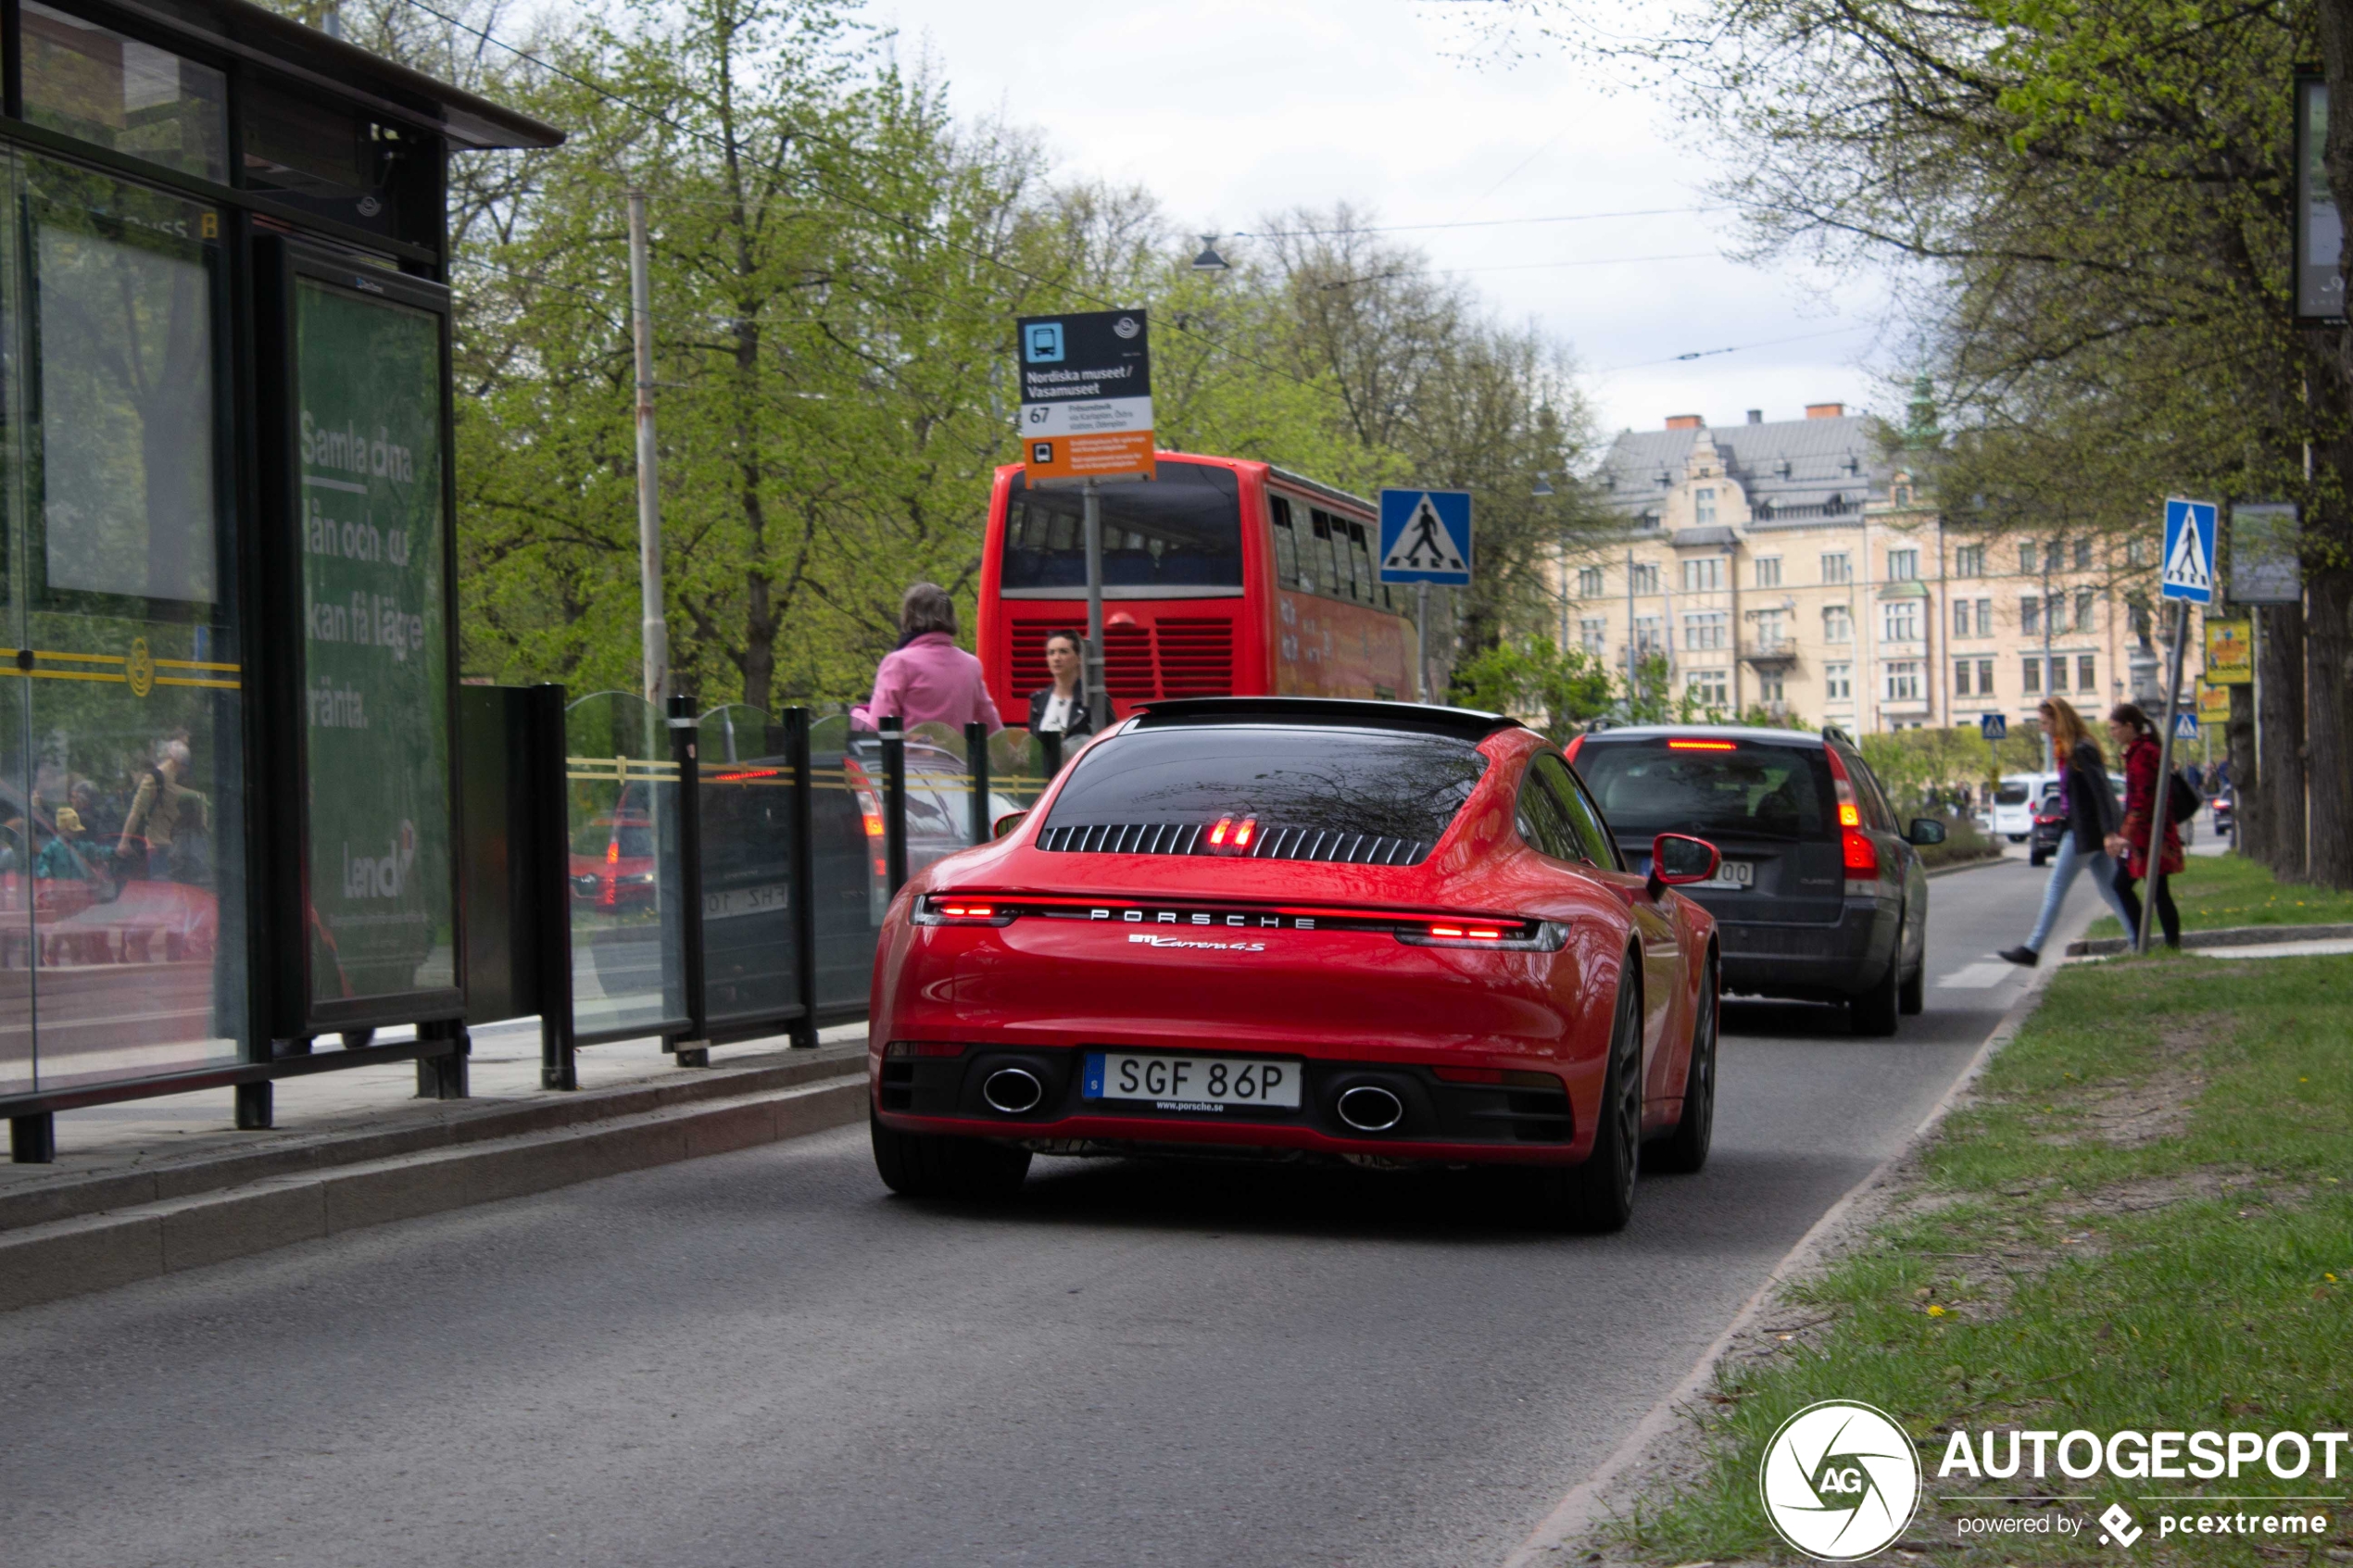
(1900,621)
(1589,582)
(1649,637)
(1836,626)
(1960,677)
(1710,688)
(1703,503)
(2083,555)
(1768,572)
(1961,619)
(1645,577)
(2031,673)
(1985,677)
(1592,633)
(2055,614)
(1970,561)
(1704,576)
(2029,616)
(2026,559)
(1835,568)
(1769,689)
(1902,566)
(2084,598)
(1771,631)
(2087,672)
(1904,682)
(1705,631)
(1903,495)
(2058,675)
(1985,617)
(1838,683)
(2136,552)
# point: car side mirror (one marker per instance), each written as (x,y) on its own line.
(1926,830)
(1678,858)
(1007,823)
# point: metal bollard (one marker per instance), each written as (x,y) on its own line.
(894,757)
(977,755)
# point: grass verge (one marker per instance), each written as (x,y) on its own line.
(2143,1220)
(2215,891)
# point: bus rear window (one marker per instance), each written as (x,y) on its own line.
(1180,532)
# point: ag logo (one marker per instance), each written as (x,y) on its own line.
(1840,1480)
(139,670)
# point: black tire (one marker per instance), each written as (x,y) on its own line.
(1912,999)
(1598,1196)
(1874,1012)
(1685,1149)
(921,1165)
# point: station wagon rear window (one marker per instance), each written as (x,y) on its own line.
(1311,792)
(1753,790)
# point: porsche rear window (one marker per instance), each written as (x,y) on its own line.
(1298,780)
(1754,790)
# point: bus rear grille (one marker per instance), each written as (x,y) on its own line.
(1189,838)
(1189,657)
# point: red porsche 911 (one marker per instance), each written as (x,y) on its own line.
(1302,929)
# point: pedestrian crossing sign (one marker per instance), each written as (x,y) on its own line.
(2189,551)
(1425,536)
(2186,726)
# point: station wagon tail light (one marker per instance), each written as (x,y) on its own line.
(1855,845)
(1527,936)
(1575,743)
(1862,855)
(1847,816)
(948,910)
(1702,745)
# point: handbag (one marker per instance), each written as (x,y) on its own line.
(2181,800)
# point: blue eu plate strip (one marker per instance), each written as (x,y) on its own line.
(1093,1086)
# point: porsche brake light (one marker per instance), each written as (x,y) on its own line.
(1469,932)
(1529,936)
(1230,837)
(1217,835)
(938,909)
(1242,834)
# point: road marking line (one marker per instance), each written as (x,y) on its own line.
(1577,1513)
(1977,978)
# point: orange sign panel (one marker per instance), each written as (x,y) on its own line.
(1080,456)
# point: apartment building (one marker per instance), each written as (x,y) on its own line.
(1794,565)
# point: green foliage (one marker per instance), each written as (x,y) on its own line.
(1554,689)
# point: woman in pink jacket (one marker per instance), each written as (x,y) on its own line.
(927,679)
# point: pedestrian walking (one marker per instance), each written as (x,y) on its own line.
(1060,707)
(2137,737)
(2092,818)
(927,679)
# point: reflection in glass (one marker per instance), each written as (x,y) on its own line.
(94,83)
(747,799)
(852,879)
(121,896)
(621,795)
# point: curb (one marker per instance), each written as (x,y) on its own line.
(2228,937)
(1580,1509)
(1978,864)
(69,1257)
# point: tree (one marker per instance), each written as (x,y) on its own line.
(1557,690)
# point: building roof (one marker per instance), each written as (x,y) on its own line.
(1784,464)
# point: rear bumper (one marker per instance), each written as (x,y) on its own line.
(1443,1122)
(1819,962)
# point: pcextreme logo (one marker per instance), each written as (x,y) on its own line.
(1840,1480)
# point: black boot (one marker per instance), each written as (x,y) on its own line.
(2025,958)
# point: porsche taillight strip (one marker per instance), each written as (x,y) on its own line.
(1415,929)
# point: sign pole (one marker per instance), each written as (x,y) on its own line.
(2164,774)
(655,628)
(1421,639)
(1097,686)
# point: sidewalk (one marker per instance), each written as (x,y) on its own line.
(154,1186)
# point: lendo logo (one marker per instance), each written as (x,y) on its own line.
(1840,1480)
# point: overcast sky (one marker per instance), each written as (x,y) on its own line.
(1233,109)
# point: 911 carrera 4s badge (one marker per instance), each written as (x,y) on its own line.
(1150,940)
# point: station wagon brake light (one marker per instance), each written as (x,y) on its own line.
(1702,745)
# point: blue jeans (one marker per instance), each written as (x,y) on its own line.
(2064,868)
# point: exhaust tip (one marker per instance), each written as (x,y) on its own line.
(1013,1090)
(1370,1108)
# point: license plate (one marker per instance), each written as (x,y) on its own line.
(1191,1083)
(726,902)
(1740,875)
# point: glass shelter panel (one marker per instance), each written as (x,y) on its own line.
(375,676)
(745,789)
(625,876)
(851,876)
(122,941)
(98,86)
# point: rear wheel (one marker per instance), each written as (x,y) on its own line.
(1913,997)
(1874,1012)
(1598,1196)
(1685,1149)
(926,1165)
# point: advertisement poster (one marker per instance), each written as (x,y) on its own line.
(2229,653)
(375,693)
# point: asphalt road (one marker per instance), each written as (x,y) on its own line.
(762,1359)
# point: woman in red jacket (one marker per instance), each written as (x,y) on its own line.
(2137,737)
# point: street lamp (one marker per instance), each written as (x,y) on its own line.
(1209,260)
(1543,484)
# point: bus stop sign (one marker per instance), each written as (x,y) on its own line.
(1425,536)
(1993,726)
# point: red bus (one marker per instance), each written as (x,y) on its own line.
(1221,577)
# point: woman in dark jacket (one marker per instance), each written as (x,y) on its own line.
(2130,844)
(1063,706)
(2092,816)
